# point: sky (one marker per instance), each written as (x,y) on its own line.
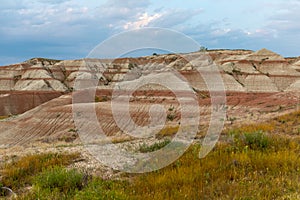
(70,29)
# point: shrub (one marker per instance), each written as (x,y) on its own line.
(2,192)
(203,49)
(101,99)
(154,147)
(257,140)
(171,116)
(72,130)
(131,66)
(168,131)
(59,179)
(171,108)
(19,173)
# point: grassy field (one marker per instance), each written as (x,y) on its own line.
(259,161)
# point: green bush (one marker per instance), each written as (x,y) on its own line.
(171,117)
(101,99)
(19,172)
(257,140)
(154,147)
(59,179)
(2,192)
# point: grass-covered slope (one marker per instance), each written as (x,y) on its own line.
(259,161)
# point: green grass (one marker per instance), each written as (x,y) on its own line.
(99,189)
(253,162)
(19,173)
(229,172)
(59,178)
(154,147)
(253,140)
(57,182)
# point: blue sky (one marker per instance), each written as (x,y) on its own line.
(70,29)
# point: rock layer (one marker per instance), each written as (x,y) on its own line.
(241,71)
(41,89)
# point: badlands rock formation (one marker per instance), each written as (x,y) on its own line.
(39,91)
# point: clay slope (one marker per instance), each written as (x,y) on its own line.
(53,121)
(256,83)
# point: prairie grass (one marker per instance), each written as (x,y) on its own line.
(259,161)
(57,183)
(288,124)
(19,173)
(168,131)
(99,189)
(231,171)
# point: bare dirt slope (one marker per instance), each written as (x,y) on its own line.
(38,93)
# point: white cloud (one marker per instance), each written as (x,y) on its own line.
(49,19)
(172,18)
(286,17)
(79,24)
(142,21)
(119,14)
(219,32)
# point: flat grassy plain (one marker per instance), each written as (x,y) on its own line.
(260,161)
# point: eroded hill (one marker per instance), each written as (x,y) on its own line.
(38,92)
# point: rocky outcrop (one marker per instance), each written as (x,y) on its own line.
(238,68)
(17,102)
(262,71)
(241,71)
(255,82)
(296,66)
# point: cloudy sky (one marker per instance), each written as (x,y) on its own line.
(70,29)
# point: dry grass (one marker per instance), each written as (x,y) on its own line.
(231,171)
(121,139)
(168,131)
(258,161)
(101,99)
(288,125)
(255,162)
(252,164)
(19,173)
(3,117)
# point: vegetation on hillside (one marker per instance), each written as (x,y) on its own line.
(258,161)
